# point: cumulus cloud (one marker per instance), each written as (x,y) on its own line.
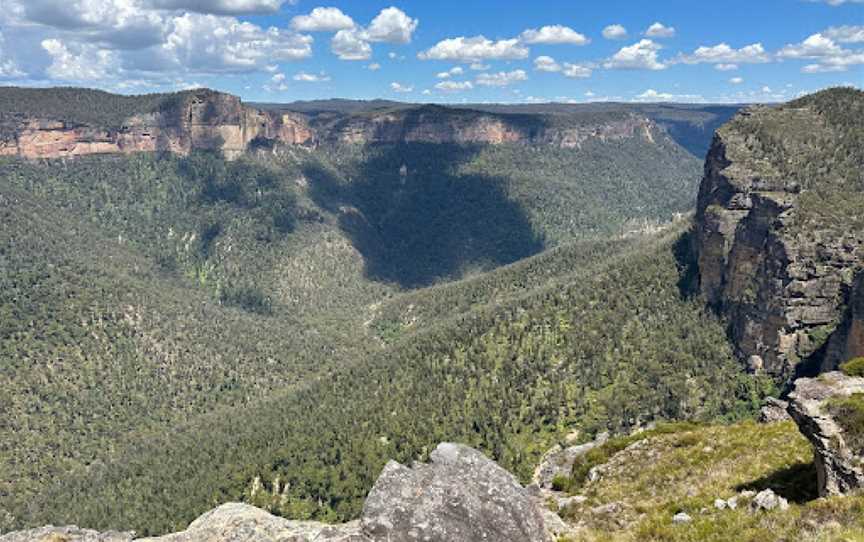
(456,70)
(373,67)
(222,7)
(501,79)
(846,34)
(311,77)
(554,34)
(78,62)
(391,25)
(475,49)
(546,64)
(8,67)
(639,56)
(322,20)
(216,44)
(479,66)
(399,87)
(736,80)
(577,71)
(350,45)
(659,30)
(615,32)
(454,86)
(829,56)
(724,54)
(726,67)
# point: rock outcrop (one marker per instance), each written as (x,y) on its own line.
(558,461)
(839,460)
(770,258)
(461,495)
(201,120)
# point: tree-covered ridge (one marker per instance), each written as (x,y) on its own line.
(815,146)
(82,106)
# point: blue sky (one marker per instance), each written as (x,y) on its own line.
(439,51)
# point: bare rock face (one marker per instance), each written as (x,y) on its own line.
(558,461)
(65,534)
(839,466)
(235,522)
(204,120)
(783,280)
(774,410)
(460,495)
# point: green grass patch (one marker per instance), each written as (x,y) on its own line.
(849,414)
(853,367)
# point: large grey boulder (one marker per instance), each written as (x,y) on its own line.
(237,522)
(839,468)
(69,533)
(459,495)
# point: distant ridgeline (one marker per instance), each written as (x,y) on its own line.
(54,123)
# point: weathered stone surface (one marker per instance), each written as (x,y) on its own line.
(766,500)
(65,534)
(558,461)
(236,522)
(783,289)
(839,469)
(459,495)
(774,410)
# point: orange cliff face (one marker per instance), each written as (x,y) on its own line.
(207,121)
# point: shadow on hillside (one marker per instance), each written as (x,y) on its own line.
(417,220)
(796,483)
(688,267)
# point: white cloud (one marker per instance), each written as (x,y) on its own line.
(322,20)
(479,66)
(736,80)
(501,79)
(456,70)
(222,7)
(577,71)
(839,2)
(475,49)
(639,56)
(554,34)
(278,78)
(659,30)
(311,77)
(398,87)
(454,86)
(726,67)
(373,67)
(724,54)
(350,45)
(208,43)
(652,95)
(829,56)
(8,67)
(615,32)
(391,25)
(546,64)
(846,34)
(78,62)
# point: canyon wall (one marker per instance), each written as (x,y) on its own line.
(776,257)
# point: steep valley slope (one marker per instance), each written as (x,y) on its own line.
(180,330)
(175,325)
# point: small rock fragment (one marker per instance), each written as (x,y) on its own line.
(681,517)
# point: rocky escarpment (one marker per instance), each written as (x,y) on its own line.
(441,125)
(776,238)
(829,411)
(459,496)
(200,119)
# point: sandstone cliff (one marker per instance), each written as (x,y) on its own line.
(779,237)
(200,119)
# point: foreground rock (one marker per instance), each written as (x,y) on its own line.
(461,495)
(840,467)
(774,410)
